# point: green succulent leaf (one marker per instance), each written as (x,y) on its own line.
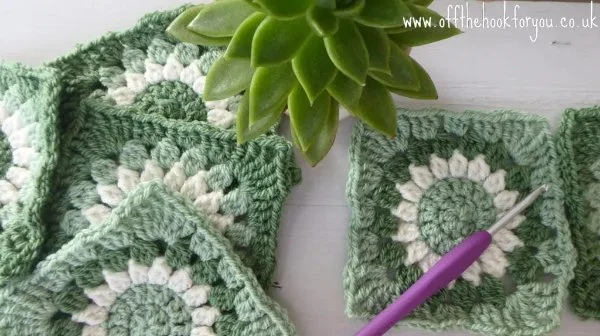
(313,68)
(277,41)
(178,29)
(376,108)
(221,18)
(398,30)
(348,51)
(403,74)
(269,89)
(322,21)
(244,131)
(285,9)
(378,45)
(241,43)
(384,13)
(227,77)
(424,3)
(425,35)
(351,10)
(427,90)
(345,90)
(325,138)
(307,118)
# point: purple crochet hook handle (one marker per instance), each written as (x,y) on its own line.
(447,269)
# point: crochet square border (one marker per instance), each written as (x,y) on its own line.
(28,154)
(384,172)
(109,152)
(578,144)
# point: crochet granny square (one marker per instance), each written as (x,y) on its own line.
(444,177)
(579,148)
(109,152)
(158,266)
(28,143)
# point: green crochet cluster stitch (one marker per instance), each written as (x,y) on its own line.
(579,148)
(157,266)
(444,177)
(28,155)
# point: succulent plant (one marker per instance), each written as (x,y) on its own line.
(311,56)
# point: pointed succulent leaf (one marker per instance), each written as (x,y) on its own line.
(227,77)
(324,139)
(427,90)
(178,29)
(277,41)
(285,10)
(244,131)
(241,43)
(322,21)
(378,45)
(345,90)
(424,3)
(425,35)
(269,89)
(398,30)
(313,68)
(348,51)
(403,74)
(307,118)
(254,4)
(221,18)
(384,13)
(376,108)
(351,10)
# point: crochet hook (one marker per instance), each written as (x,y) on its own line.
(447,269)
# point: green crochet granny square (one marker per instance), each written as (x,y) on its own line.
(444,177)
(158,266)
(579,148)
(28,142)
(109,152)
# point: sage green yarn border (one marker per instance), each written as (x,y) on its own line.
(52,274)
(587,243)
(21,241)
(364,158)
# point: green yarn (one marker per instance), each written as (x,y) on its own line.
(444,177)
(138,299)
(579,148)
(28,148)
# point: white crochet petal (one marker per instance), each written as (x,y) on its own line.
(23,157)
(91,315)
(102,295)
(478,170)
(220,118)
(97,213)
(202,331)
(513,224)
(196,296)
(494,183)
(421,176)
(152,171)
(127,179)
(415,252)
(505,200)
(407,232)
(8,193)
(221,222)
(458,165)
(117,281)
(154,72)
(209,202)
(180,280)
(136,82)
(217,104)
(195,186)
(493,261)
(439,167)
(175,178)
(190,74)
(3,113)
(122,95)
(137,272)
(172,70)
(18,176)
(473,273)
(93,331)
(506,240)
(407,211)
(160,272)
(205,316)
(199,85)
(110,194)
(20,138)
(12,124)
(410,191)
(428,261)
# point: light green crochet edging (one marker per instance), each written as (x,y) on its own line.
(157,266)
(28,154)
(578,144)
(108,152)
(445,176)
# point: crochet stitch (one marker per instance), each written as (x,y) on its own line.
(28,143)
(156,267)
(444,177)
(579,149)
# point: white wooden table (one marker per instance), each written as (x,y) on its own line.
(482,69)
